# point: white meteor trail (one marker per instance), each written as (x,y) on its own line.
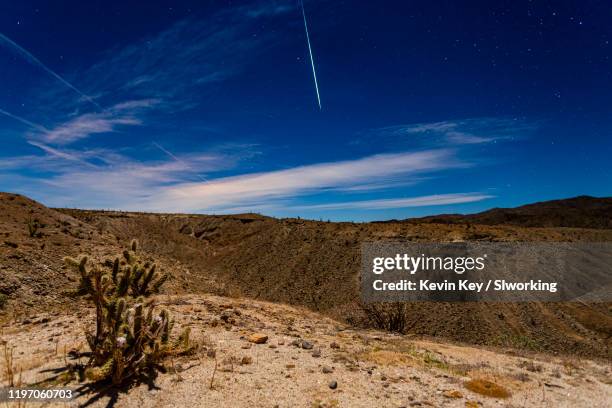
(35,61)
(314,72)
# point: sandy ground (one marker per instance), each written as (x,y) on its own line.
(370,368)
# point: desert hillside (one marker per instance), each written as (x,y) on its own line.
(297,262)
(578,212)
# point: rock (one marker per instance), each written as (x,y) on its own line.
(334,345)
(452,394)
(211,353)
(306,345)
(333,385)
(246,360)
(226,316)
(246,346)
(258,338)
(327,370)
(316,353)
(296,343)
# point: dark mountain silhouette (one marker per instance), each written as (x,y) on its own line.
(577,212)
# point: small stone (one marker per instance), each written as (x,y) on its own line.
(316,353)
(246,346)
(333,385)
(258,338)
(211,353)
(290,366)
(327,370)
(452,394)
(334,345)
(246,360)
(306,345)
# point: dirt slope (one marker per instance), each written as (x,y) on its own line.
(304,263)
(316,264)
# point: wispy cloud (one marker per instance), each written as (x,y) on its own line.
(212,49)
(28,56)
(381,204)
(24,121)
(164,185)
(444,133)
(262,188)
(269,8)
(85,125)
(75,157)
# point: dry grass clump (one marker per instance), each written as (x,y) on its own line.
(387,358)
(487,388)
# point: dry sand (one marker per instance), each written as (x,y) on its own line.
(371,369)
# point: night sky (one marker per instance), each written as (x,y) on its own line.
(210,106)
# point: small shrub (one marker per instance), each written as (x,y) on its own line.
(131,337)
(33,227)
(388,316)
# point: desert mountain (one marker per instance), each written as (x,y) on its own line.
(577,212)
(291,261)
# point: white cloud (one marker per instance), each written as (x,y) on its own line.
(264,188)
(174,185)
(453,132)
(108,120)
(422,201)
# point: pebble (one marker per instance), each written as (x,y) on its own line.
(453,394)
(333,385)
(306,345)
(258,338)
(327,370)
(316,353)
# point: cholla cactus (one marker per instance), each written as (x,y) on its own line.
(130,335)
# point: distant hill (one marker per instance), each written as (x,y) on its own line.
(577,212)
(310,264)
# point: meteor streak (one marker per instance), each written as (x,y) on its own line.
(314,73)
(35,61)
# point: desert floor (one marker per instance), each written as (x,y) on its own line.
(304,356)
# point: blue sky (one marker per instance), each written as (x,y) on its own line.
(427,107)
